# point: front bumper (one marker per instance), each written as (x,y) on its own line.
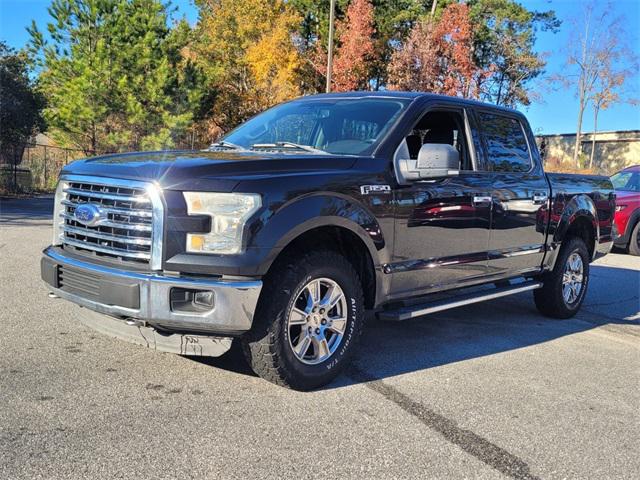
(145,298)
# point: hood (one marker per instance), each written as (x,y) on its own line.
(215,171)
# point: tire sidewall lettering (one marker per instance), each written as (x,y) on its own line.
(353,309)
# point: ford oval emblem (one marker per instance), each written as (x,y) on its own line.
(87,214)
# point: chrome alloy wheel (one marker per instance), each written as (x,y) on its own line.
(317,321)
(573,278)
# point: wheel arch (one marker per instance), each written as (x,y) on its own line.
(342,240)
(333,222)
(579,218)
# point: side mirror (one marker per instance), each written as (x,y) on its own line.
(435,160)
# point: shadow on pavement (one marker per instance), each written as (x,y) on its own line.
(390,349)
(614,292)
(24,211)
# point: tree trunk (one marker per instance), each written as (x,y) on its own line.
(596,109)
(576,148)
(498,97)
(583,85)
(332,13)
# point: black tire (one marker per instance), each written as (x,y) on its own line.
(549,299)
(634,246)
(267,345)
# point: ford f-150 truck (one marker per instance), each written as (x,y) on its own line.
(281,235)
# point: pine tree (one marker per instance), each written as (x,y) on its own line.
(20,103)
(114,75)
(504,39)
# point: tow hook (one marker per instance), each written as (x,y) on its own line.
(134,322)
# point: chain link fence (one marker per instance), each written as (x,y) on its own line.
(34,167)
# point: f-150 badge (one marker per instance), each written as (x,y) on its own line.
(367,189)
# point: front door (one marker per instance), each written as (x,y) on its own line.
(442,226)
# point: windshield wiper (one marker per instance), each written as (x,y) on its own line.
(225,144)
(287,145)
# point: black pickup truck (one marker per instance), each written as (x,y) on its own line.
(282,235)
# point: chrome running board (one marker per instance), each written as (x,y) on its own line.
(413,311)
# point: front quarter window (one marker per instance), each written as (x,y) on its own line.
(336,126)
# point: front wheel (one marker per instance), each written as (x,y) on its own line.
(565,287)
(307,322)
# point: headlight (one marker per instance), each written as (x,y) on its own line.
(58,209)
(229,213)
(620,207)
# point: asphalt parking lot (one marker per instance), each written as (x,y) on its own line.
(487,391)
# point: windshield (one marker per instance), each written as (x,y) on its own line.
(336,126)
(626,181)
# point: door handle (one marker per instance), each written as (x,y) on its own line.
(540,198)
(481,200)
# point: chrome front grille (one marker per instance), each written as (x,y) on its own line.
(130,218)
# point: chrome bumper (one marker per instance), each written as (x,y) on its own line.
(234,302)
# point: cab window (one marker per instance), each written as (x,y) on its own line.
(506,145)
(443,127)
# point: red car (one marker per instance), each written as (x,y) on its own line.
(627,185)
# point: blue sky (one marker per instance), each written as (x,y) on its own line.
(556,112)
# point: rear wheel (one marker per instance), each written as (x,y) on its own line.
(564,288)
(634,241)
(308,320)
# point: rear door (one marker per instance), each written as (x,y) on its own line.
(519,190)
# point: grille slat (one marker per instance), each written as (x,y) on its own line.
(78,286)
(116,252)
(114,224)
(80,278)
(108,196)
(78,282)
(125,229)
(118,211)
(103,236)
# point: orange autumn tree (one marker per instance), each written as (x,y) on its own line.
(454,35)
(354,58)
(438,56)
(415,66)
(355,50)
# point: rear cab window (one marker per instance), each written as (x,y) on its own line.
(507,149)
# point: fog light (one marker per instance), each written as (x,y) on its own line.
(203,298)
(187,300)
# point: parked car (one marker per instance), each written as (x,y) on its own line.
(627,218)
(282,234)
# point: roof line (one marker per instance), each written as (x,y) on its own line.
(586,133)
